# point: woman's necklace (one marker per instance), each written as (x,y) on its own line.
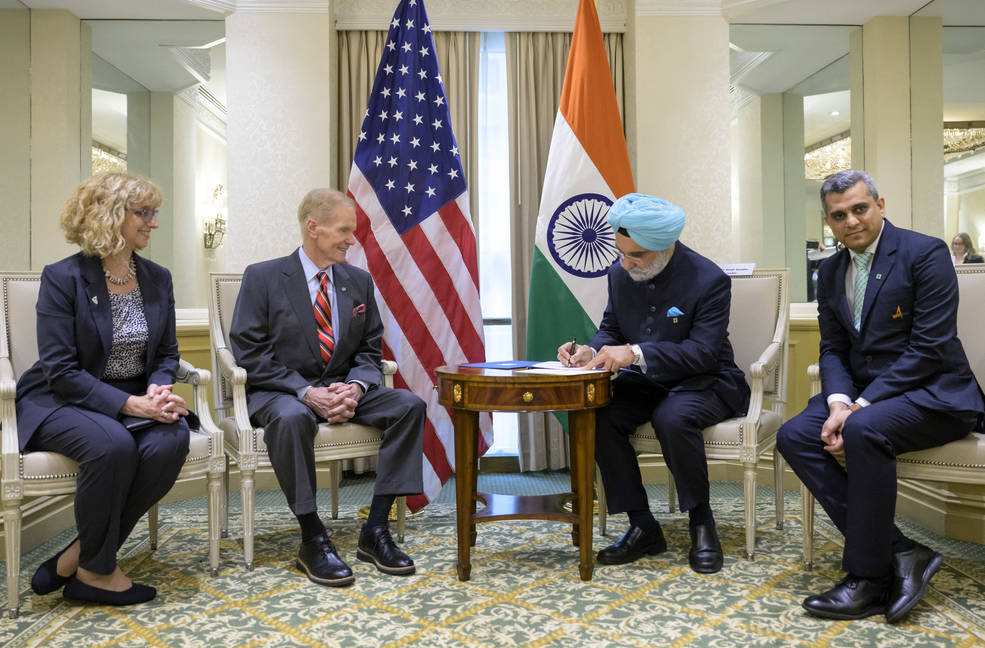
(125,280)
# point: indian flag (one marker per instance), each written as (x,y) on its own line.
(587,169)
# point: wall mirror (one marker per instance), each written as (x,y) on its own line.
(791,127)
(158,110)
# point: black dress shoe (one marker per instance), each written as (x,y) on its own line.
(47,579)
(319,560)
(76,590)
(912,572)
(705,556)
(633,545)
(851,598)
(376,545)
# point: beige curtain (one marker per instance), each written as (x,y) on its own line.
(458,59)
(535,75)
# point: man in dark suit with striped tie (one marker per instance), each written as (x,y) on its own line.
(308,332)
(895,379)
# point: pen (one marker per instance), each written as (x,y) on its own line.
(571,350)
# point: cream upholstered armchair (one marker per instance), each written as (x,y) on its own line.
(758,333)
(961,461)
(34,474)
(244,443)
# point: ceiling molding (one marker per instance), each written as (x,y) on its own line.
(482,15)
(263,6)
(731,8)
(678,7)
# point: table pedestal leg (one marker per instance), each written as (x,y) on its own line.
(582,439)
(466,428)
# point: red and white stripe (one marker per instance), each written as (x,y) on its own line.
(427,290)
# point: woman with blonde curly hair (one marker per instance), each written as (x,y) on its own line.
(108,355)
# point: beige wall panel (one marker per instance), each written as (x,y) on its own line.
(682,124)
(926,125)
(279,129)
(56,128)
(15,139)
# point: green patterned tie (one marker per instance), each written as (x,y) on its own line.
(861,278)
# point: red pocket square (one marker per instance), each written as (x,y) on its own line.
(359,310)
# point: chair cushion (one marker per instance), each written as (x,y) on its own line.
(329,436)
(199,447)
(47,465)
(726,433)
(968,452)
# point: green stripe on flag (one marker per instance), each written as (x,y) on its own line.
(553,313)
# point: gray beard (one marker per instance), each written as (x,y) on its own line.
(651,271)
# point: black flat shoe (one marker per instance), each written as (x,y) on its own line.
(376,545)
(320,562)
(77,591)
(47,579)
(851,598)
(706,555)
(633,544)
(912,572)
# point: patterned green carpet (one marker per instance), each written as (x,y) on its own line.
(524,590)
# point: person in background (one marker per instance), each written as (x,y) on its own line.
(963,251)
(107,348)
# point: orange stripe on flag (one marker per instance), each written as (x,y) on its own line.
(588,102)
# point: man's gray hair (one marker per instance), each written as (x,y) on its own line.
(839,183)
(321,202)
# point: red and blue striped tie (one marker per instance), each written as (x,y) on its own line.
(323,317)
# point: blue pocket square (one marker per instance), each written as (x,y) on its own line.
(674,311)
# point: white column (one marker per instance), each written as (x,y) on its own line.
(57,88)
(682,121)
(15,138)
(886,71)
(926,125)
(279,127)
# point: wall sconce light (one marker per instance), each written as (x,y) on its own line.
(214,225)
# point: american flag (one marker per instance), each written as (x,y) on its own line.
(414,230)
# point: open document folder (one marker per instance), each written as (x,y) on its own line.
(555,368)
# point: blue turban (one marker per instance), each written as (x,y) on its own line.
(653,223)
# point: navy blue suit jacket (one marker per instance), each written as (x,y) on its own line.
(273,333)
(685,352)
(907,343)
(75,335)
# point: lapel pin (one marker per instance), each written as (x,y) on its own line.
(95,300)
(879,276)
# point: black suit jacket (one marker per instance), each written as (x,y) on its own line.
(273,334)
(75,335)
(907,343)
(680,320)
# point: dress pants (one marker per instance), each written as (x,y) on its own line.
(678,419)
(290,426)
(121,474)
(860,497)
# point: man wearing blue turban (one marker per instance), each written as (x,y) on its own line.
(665,331)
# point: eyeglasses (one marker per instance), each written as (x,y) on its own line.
(638,258)
(146,213)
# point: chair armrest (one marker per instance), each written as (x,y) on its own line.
(389,369)
(228,367)
(757,370)
(814,375)
(9,444)
(200,379)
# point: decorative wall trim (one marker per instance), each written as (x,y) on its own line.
(482,15)
(263,6)
(678,7)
